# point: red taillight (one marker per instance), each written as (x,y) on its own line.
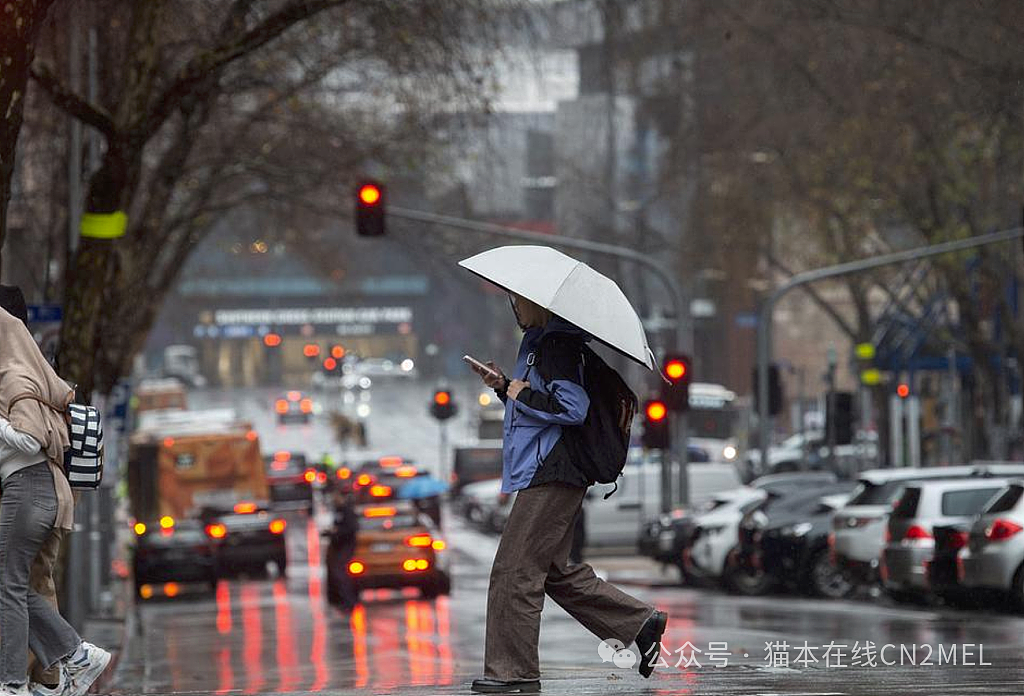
(245,508)
(356,568)
(306,405)
(958,540)
(419,540)
(414,564)
(278,526)
(1001,530)
(917,532)
(344,473)
(380,491)
(216,531)
(281,406)
(321,477)
(310,476)
(364,480)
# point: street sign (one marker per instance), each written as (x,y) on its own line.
(45,313)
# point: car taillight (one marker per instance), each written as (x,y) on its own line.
(916,533)
(419,540)
(306,405)
(1001,530)
(216,531)
(278,526)
(171,589)
(438,545)
(344,473)
(310,476)
(281,406)
(380,491)
(321,477)
(414,564)
(356,568)
(364,480)
(244,508)
(139,528)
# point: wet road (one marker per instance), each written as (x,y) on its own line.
(279,635)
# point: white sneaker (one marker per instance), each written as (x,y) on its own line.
(62,688)
(9,690)
(84,668)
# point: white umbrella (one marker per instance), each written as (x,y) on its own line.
(569,288)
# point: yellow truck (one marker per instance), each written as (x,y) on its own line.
(180,462)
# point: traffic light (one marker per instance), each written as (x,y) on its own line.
(775,396)
(442,407)
(841,417)
(903,391)
(655,425)
(370,209)
(676,392)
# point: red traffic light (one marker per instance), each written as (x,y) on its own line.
(369,194)
(272,340)
(656,411)
(442,398)
(338,352)
(330,364)
(311,350)
(675,369)
(903,391)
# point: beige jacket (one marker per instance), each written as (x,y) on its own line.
(24,370)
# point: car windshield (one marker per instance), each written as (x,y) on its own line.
(877,494)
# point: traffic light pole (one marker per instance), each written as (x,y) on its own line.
(684,325)
(764,324)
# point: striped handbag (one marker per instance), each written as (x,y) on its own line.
(83,460)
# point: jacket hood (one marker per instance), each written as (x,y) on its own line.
(560,325)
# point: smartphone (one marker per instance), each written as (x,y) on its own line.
(479,365)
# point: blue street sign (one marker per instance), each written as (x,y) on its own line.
(45,313)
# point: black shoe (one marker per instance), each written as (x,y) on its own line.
(647,641)
(496,686)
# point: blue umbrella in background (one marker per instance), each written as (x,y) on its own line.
(422,487)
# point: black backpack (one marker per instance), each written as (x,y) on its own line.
(600,445)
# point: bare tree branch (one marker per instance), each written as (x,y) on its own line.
(74,104)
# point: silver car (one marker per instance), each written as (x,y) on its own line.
(910,543)
(994,556)
(858,530)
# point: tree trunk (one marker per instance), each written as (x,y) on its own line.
(19,27)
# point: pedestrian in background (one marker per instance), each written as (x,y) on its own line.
(533,554)
(36,499)
(341,548)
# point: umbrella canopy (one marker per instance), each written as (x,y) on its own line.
(422,487)
(569,288)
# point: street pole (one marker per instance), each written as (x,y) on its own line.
(764,324)
(830,409)
(684,325)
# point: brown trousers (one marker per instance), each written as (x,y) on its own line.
(532,560)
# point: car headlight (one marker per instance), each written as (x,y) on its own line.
(729,452)
(797,530)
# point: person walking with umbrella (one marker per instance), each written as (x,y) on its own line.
(560,304)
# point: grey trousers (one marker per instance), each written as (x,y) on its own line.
(532,560)
(28,510)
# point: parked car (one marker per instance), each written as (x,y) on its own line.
(746,570)
(714,535)
(793,549)
(910,541)
(858,530)
(663,538)
(993,559)
(171,556)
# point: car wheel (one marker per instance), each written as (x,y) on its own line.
(828,580)
(750,582)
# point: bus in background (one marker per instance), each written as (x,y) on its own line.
(712,421)
(180,462)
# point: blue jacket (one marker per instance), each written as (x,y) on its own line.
(533,450)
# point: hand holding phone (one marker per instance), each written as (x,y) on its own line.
(482,369)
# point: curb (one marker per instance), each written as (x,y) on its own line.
(127,623)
